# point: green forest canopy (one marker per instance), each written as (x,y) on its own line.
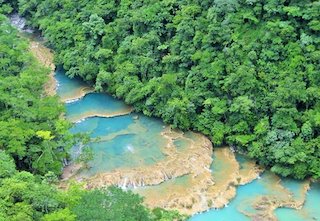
(243,72)
(28,197)
(34,140)
(31,129)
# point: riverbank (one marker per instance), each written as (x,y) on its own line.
(45,57)
(198,192)
(204,190)
(266,205)
(77,95)
(206,182)
(202,187)
(42,54)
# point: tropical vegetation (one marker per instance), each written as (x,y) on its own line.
(34,143)
(243,72)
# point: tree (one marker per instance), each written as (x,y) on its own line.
(7,166)
(110,204)
(219,67)
(60,215)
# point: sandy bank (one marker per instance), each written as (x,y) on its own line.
(77,95)
(265,205)
(195,161)
(45,57)
(203,189)
(105,114)
(200,191)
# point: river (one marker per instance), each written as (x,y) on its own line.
(169,168)
(143,154)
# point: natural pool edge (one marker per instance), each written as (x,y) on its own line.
(50,88)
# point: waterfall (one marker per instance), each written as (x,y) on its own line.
(20,23)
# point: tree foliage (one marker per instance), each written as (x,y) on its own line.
(225,68)
(31,130)
(24,196)
(34,140)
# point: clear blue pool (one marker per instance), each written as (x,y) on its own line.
(68,88)
(134,140)
(95,104)
(309,212)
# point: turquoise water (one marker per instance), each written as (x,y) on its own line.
(99,126)
(294,186)
(264,186)
(118,142)
(231,212)
(241,160)
(123,141)
(68,87)
(309,212)
(181,143)
(135,140)
(95,103)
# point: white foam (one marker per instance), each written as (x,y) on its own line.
(72,100)
(130,148)
(81,120)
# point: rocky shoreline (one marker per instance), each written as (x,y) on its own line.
(204,189)
(194,161)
